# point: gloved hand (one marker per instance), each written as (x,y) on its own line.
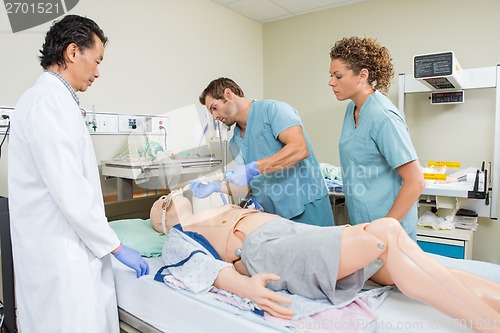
(243,174)
(132,259)
(203,190)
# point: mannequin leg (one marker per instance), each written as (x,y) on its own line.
(421,277)
(358,249)
(488,290)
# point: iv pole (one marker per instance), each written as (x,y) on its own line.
(223,130)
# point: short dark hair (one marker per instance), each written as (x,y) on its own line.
(215,89)
(71,29)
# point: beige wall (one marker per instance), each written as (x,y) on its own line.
(296,64)
(161,55)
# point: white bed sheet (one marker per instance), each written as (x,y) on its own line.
(171,311)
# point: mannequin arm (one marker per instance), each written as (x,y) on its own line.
(254,288)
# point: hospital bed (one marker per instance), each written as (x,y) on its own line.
(148,306)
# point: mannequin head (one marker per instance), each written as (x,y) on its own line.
(177,207)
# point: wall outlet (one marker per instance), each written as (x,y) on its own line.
(130,123)
(107,123)
(5,113)
(102,123)
(159,125)
(147,125)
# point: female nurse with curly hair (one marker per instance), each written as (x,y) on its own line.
(380,168)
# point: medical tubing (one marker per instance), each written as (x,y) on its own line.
(4,137)
(224,159)
(165,137)
(223,149)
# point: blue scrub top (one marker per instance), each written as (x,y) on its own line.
(283,192)
(369,155)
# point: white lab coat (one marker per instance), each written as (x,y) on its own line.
(60,236)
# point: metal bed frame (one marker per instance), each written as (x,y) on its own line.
(128,209)
(9,304)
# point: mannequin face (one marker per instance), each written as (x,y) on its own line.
(179,208)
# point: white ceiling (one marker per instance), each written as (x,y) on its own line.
(272,10)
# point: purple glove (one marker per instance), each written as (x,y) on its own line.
(243,174)
(132,259)
(203,190)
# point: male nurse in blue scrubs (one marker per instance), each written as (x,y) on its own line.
(275,157)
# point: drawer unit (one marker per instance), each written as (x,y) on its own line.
(455,243)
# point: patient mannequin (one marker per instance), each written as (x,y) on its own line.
(296,255)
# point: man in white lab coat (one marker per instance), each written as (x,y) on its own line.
(60,235)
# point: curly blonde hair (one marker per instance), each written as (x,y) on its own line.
(359,53)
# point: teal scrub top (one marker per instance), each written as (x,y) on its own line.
(285,192)
(369,155)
